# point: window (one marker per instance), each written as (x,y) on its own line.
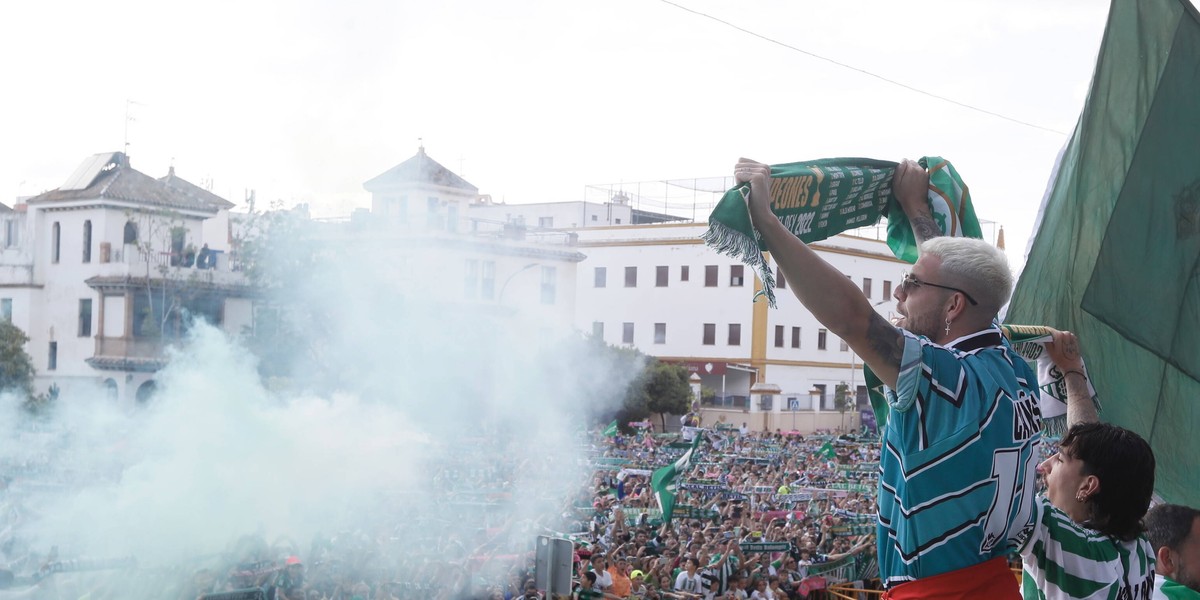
(844,347)
(660,333)
(549,284)
(887,289)
(431,211)
(131,232)
(54,242)
(710,334)
(402,209)
(600,279)
(595,218)
(10,233)
(683,273)
(821,398)
(52,359)
(598,330)
(545,222)
(87,241)
(627,333)
(178,238)
(630,276)
(487,279)
(780,282)
(85,317)
(710,276)
(660,276)
(452,218)
(618,221)
(735,334)
(6,309)
(867,286)
(820,339)
(736,275)
(471,280)
(779,336)
(795,337)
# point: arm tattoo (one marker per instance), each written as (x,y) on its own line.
(925,228)
(885,339)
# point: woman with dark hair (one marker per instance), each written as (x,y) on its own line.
(1087,538)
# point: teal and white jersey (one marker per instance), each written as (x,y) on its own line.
(1063,559)
(958,459)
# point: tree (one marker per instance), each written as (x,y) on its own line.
(842,400)
(667,389)
(16,368)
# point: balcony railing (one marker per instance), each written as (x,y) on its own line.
(129,348)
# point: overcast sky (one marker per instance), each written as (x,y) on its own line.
(531,100)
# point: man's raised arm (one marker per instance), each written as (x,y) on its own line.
(910,184)
(832,298)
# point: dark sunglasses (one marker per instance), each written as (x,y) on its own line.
(908,282)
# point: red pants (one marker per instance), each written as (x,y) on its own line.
(992,580)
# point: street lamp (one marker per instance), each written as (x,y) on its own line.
(500,296)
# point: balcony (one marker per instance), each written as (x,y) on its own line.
(122,354)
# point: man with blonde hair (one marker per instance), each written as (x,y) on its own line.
(958,460)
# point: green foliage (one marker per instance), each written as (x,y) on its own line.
(708,395)
(279,254)
(667,389)
(16,368)
(842,399)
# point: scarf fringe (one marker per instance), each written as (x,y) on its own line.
(735,244)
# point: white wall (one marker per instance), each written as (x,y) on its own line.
(685,306)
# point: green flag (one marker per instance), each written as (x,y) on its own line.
(819,199)
(611,430)
(1114,255)
(663,480)
(827,451)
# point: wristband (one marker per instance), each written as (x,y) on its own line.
(1079,373)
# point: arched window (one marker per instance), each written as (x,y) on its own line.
(145,392)
(55,232)
(87,241)
(130,232)
(110,389)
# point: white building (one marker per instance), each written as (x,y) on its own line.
(659,288)
(419,211)
(106,270)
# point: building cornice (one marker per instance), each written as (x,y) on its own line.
(121,363)
(105,203)
(697,241)
(119,284)
(743,360)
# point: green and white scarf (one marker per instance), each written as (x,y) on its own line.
(819,199)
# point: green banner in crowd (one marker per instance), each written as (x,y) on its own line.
(852,487)
(765,546)
(852,529)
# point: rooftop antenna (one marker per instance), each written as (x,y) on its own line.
(420,145)
(129,118)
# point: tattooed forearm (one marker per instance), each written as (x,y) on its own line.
(885,339)
(924,228)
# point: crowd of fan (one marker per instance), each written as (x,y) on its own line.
(815,493)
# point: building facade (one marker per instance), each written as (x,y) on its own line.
(107,270)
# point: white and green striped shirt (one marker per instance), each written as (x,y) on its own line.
(1063,559)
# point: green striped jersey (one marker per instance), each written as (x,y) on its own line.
(958,462)
(1063,559)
